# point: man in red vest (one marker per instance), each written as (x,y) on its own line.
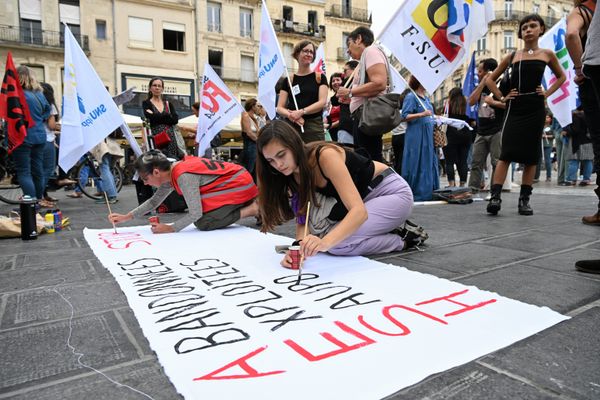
(217,193)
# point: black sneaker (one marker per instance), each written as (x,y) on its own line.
(412,234)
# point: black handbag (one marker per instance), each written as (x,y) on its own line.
(504,85)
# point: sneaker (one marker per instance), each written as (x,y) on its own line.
(589,266)
(412,234)
(111,200)
(592,219)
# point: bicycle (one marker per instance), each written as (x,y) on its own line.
(88,182)
(10,190)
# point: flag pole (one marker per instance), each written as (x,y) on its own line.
(287,74)
(198,130)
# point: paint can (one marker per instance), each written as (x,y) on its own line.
(153,220)
(295,255)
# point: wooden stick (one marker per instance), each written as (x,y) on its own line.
(110,211)
(305,233)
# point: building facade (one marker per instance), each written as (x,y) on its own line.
(130,41)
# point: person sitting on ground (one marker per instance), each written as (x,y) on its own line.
(217,193)
(357,205)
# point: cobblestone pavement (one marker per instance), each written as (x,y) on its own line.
(524,258)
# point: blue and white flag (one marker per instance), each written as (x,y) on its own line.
(469,85)
(566,98)
(218,106)
(89,112)
(271,64)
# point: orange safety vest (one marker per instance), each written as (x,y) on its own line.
(234,185)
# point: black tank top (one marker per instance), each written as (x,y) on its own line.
(361,171)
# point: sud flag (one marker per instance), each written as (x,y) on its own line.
(565,99)
(218,107)
(430,41)
(13,107)
(318,64)
(271,64)
(469,85)
(89,112)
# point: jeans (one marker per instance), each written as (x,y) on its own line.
(547,164)
(483,146)
(589,93)
(586,169)
(29,160)
(561,159)
(108,180)
(49,162)
(250,155)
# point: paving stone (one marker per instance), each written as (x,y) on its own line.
(28,360)
(42,244)
(56,255)
(146,377)
(468,258)
(27,278)
(563,359)
(41,305)
(565,262)
(536,241)
(470,381)
(132,324)
(534,285)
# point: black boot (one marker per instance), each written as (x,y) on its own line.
(524,207)
(494,205)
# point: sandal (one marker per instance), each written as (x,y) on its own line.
(46,204)
(65,182)
(75,195)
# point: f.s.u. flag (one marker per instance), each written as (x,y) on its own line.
(565,99)
(13,107)
(318,65)
(469,85)
(432,38)
(398,83)
(218,106)
(271,64)
(89,112)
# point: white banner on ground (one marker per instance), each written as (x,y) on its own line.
(431,39)
(564,100)
(227,321)
(89,112)
(218,106)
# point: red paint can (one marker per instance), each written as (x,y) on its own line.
(153,220)
(295,254)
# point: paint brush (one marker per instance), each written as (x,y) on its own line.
(109,211)
(305,233)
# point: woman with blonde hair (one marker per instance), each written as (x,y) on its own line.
(310,90)
(29,156)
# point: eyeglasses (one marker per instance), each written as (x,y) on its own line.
(306,51)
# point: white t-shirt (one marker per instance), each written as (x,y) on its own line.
(50,135)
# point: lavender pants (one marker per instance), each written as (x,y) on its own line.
(388,206)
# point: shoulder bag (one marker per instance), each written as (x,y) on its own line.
(162,139)
(379,114)
(439,132)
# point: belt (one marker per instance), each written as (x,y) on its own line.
(379,178)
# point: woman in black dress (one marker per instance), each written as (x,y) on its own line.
(525,109)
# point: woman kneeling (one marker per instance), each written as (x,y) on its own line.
(358,206)
(217,193)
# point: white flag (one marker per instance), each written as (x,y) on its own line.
(398,83)
(564,100)
(318,65)
(89,112)
(271,64)
(218,106)
(418,37)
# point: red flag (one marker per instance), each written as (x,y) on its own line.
(13,107)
